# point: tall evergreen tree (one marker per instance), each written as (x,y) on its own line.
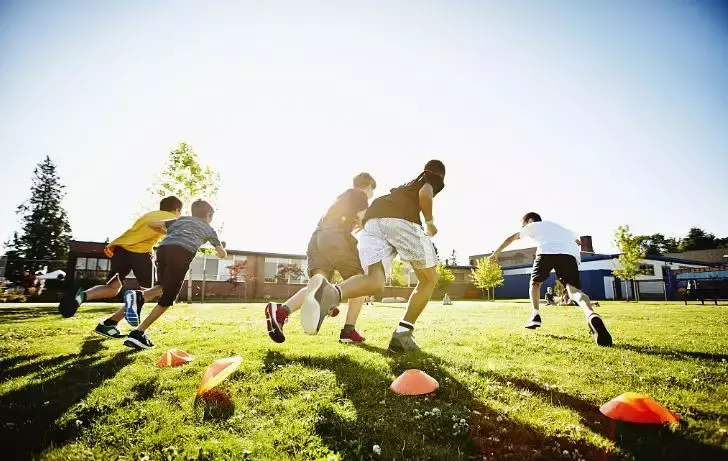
(45,232)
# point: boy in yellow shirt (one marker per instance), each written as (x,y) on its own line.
(132,251)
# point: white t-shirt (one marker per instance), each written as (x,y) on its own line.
(552,239)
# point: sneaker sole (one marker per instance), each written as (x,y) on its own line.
(311,309)
(349,341)
(130,313)
(108,336)
(134,344)
(599,331)
(532,326)
(274,330)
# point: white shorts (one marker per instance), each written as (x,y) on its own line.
(384,238)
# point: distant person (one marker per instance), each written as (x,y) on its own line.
(550,296)
(558,249)
(131,251)
(185,236)
(446,301)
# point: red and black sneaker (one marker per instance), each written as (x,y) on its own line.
(275,318)
(334,312)
(352,336)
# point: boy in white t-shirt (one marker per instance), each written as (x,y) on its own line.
(558,249)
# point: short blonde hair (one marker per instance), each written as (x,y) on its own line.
(363,180)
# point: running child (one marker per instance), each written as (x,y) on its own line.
(132,251)
(332,247)
(558,249)
(185,235)
(392,226)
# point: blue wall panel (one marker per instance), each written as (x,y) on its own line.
(519,285)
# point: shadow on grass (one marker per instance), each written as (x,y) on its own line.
(654,350)
(214,405)
(641,441)
(438,426)
(25,314)
(29,414)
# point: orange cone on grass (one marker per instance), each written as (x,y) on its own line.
(217,372)
(634,407)
(414,382)
(174,358)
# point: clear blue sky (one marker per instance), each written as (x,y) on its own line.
(593,113)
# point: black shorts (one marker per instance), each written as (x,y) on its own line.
(566,267)
(125,261)
(173,262)
(333,249)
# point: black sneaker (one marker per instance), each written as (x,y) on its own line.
(133,302)
(110,331)
(599,330)
(138,340)
(534,322)
(71,302)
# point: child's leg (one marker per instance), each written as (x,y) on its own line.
(371,283)
(353,311)
(152,317)
(581,299)
(535,296)
(427,279)
(111,289)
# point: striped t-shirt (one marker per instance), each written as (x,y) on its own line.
(190,233)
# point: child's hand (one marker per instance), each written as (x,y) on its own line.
(224,244)
(431,229)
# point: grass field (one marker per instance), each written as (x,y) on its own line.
(505,392)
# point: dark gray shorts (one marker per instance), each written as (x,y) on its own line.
(330,250)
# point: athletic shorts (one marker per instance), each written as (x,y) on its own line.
(125,261)
(173,262)
(566,267)
(384,238)
(333,249)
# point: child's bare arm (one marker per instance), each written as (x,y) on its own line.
(159,226)
(426,196)
(220,249)
(506,242)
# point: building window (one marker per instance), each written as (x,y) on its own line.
(224,271)
(272,268)
(647,269)
(92,269)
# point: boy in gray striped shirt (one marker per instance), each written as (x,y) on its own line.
(185,235)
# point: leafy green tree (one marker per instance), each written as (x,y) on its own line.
(658,244)
(444,276)
(487,275)
(698,239)
(186,178)
(631,255)
(45,232)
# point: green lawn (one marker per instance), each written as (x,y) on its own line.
(505,392)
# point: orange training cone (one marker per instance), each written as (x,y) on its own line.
(414,382)
(638,408)
(174,358)
(217,372)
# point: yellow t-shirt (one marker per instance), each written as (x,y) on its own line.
(140,238)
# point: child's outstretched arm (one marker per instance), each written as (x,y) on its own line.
(426,195)
(220,249)
(160,226)
(506,242)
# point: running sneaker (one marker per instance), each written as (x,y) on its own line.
(110,331)
(321,299)
(138,340)
(352,336)
(534,322)
(71,301)
(132,310)
(403,342)
(275,318)
(599,330)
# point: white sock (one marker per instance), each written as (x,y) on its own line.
(404,326)
(535,312)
